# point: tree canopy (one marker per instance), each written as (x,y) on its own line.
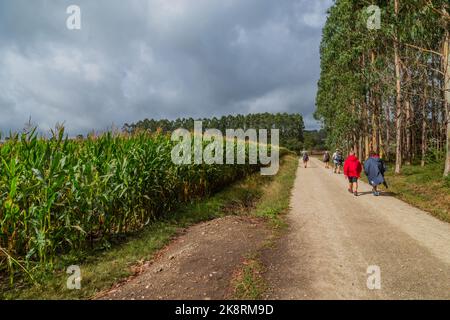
(291,126)
(387,89)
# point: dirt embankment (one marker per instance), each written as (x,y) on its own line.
(335,238)
(199,264)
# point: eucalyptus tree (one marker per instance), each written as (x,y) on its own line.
(387,88)
(291,126)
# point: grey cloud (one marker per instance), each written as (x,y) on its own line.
(156,58)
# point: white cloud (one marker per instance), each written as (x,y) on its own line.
(313,16)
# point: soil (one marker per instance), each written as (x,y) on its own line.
(199,264)
(333,243)
(334,238)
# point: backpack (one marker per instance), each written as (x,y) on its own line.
(326,157)
(383,167)
(338,158)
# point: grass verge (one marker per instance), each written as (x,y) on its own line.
(423,187)
(263,196)
(277,193)
(248,281)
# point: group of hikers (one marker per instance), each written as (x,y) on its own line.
(374,168)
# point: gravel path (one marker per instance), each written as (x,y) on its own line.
(334,237)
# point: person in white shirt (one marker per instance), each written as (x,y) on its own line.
(338,159)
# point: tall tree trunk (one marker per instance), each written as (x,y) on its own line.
(365,118)
(408,131)
(380,143)
(424,127)
(446,64)
(375,125)
(375,110)
(398,100)
(355,144)
(360,149)
(387,142)
(434,106)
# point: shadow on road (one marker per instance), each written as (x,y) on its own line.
(382,194)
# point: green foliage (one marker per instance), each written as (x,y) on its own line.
(447,182)
(434,155)
(101,269)
(357,65)
(314,140)
(423,187)
(291,126)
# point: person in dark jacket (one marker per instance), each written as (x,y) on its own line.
(374,168)
(305,158)
(352,170)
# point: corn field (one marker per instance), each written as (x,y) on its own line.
(58,195)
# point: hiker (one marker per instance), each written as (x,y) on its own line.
(352,171)
(337,161)
(326,159)
(305,158)
(374,168)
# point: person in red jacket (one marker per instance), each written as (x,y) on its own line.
(352,171)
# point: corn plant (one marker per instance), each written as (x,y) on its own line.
(58,194)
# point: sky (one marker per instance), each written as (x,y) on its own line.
(140,59)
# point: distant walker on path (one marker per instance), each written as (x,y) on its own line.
(337,161)
(326,159)
(305,158)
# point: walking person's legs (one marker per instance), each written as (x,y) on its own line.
(355,187)
(375,191)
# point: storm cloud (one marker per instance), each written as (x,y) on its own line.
(141,59)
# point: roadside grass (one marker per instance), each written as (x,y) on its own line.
(276,197)
(248,281)
(263,196)
(423,187)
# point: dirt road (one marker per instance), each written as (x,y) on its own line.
(198,265)
(334,237)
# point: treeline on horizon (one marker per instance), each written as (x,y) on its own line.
(387,89)
(291,126)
